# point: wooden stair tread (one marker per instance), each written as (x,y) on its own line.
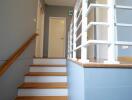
(44,65)
(46,74)
(42,98)
(43,85)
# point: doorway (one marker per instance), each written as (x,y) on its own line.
(57,34)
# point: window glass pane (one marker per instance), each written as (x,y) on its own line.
(124,34)
(125,54)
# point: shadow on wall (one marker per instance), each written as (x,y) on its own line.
(16,26)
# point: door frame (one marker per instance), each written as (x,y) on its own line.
(64,35)
(40,37)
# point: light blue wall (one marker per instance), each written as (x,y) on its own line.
(75,81)
(108,84)
(99,83)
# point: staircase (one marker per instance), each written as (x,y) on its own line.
(46,80)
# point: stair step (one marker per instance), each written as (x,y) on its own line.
(49,61)
(45,79)
(43,92)
(46,74)
(43,85)
(48,69)
(47,65)
(42,98)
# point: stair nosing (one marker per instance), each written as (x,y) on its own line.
(46,74)
(32,85)
(40,97)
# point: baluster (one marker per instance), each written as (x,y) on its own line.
(84,31)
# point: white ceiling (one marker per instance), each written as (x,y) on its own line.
(60,2)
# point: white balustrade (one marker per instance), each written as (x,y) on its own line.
(80,25)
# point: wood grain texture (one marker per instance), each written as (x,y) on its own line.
(107,65)
(15,55)
(46,74)
(43,85)
(42,98)
(99,65)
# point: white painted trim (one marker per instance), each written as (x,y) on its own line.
(111,34)
(64,33)
(40,30)
(124,25)
(42,92)
(84,50)
(89,42)
(79,25)
(124,43)
(47,69)
(74,34)
(80,13)
(123,7)
(91,6)
(45,79)
(79,36)
(97,23)
(50,61)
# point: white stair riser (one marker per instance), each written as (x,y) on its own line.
(50,61)
(47,69)
(46,79)
(42,92)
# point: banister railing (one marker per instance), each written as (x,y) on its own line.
(82,24)
(16,54)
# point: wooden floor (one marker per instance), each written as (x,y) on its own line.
(42,98)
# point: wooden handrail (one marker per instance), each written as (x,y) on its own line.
(16,54)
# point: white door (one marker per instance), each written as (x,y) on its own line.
(57,30)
